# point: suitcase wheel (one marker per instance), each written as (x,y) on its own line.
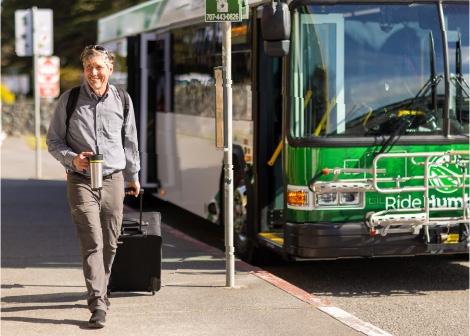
(154,285)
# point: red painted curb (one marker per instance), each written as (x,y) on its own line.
(293,290)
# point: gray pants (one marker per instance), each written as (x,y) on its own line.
(98,217)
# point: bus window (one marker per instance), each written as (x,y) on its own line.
(241,70)
(196,53)
(361,70)
(456,19)
(319,68)
(197,50)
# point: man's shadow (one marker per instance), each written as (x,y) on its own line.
(57,301)
(80,324)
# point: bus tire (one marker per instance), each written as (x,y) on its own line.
(242,217)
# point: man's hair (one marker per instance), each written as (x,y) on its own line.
(93,51)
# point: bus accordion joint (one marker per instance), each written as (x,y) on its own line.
(325,171)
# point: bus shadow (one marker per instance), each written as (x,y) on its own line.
(378,277)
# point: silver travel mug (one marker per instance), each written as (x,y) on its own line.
(96,171)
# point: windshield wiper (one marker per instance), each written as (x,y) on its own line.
(410,117)
(431,84)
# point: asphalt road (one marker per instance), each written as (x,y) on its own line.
(416,296)
(412,296)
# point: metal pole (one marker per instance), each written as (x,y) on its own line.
(228,170)
(1,108)
(37,104)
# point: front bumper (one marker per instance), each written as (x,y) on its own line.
(352,240)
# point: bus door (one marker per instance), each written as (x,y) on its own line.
(155,96)
(133,76)
(147,138)
(164,130)
(268,171)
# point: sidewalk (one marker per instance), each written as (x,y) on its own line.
(43,290)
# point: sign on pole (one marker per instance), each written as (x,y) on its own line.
(48,76)
(24,32)
(223,10)
(43,25)
(220,107)
(26,21)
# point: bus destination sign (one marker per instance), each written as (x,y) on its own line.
(223,10)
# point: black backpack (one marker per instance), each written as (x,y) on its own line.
(72,103)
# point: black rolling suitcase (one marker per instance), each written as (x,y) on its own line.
(138,261)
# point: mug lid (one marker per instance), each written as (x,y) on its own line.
(96,157)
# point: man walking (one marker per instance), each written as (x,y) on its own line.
(95,128)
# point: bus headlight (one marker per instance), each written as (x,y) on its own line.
(351,198)
(339,199)
(329,198)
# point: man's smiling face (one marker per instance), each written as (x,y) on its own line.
(97,72)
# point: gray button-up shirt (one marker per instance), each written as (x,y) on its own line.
(95,126)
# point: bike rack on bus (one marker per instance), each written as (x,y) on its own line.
(414,218)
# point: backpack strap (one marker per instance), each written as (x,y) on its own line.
(71,104)
(125,106)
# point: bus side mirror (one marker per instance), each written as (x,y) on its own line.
(275,27)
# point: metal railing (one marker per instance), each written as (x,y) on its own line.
(409,219)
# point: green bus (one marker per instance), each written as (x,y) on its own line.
(351,121)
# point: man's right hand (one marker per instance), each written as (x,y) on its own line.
(81,161)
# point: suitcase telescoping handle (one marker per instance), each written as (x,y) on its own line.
(141,193)
(141,207)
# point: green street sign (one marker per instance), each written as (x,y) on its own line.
(223,10)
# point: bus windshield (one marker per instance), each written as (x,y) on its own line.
(375,70)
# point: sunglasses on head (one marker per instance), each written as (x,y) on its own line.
(97,47)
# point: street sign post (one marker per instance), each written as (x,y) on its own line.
(226,11)
(33,37)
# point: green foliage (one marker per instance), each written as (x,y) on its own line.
(70,77)
(75,26)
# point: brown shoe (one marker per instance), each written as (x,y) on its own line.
(98,319)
